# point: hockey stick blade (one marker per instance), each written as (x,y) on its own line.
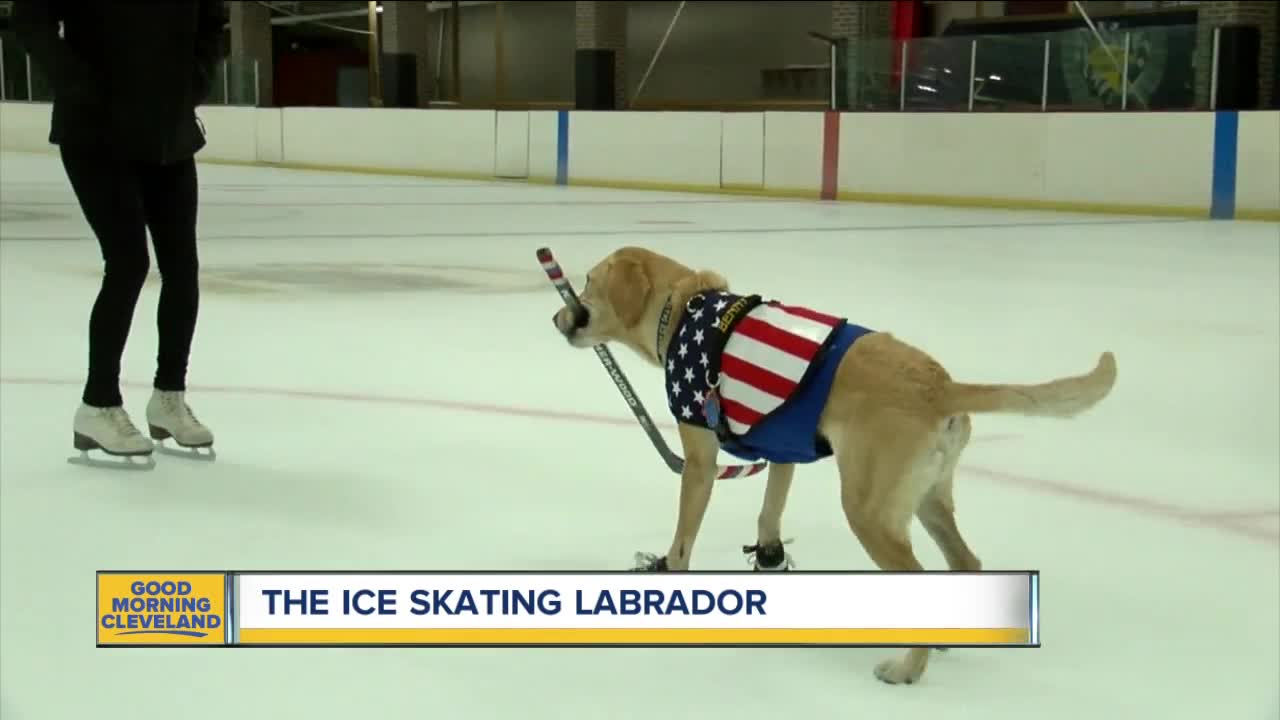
(676,463)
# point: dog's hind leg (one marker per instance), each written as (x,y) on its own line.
(937,508)
(882,478)
(768,551)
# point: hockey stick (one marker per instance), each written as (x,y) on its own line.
(673,461)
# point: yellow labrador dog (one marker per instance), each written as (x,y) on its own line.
(793,385)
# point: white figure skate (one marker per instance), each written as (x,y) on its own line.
(169,417)
(111,431)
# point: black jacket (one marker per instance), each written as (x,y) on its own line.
(126,76)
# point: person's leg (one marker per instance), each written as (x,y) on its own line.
(109,198)
(111,202)
(171,200)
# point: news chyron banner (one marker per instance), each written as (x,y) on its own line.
(612,609)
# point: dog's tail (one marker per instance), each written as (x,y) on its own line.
(1064,397)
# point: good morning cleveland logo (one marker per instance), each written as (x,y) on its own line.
(151,609)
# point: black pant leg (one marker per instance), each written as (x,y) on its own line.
(110,198)
(171,199)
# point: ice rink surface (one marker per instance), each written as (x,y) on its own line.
(376,358)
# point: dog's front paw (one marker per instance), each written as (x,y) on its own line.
(648,562)
(897,672)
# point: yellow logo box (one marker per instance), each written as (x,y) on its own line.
(161,609)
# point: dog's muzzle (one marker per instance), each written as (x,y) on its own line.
(581,316)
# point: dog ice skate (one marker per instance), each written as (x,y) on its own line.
(170,418)
(110,431)
(769,557)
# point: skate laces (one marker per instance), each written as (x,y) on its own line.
(174,403)
(120,419)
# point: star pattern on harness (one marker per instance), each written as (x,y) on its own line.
(690,367)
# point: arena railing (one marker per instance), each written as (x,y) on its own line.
(1139,69)
(1155,68)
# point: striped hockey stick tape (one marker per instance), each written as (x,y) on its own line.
(673,461)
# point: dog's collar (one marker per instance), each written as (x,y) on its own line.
(663,321)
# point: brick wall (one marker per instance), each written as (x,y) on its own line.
(603,25)
(861,18)
(1260,13)
(864,28)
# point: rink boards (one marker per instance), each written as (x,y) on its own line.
(1185,164)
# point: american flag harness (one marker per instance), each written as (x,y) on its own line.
(756,372)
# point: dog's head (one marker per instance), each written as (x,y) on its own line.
(624,296)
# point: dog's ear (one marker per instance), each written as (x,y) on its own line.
(628,290)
